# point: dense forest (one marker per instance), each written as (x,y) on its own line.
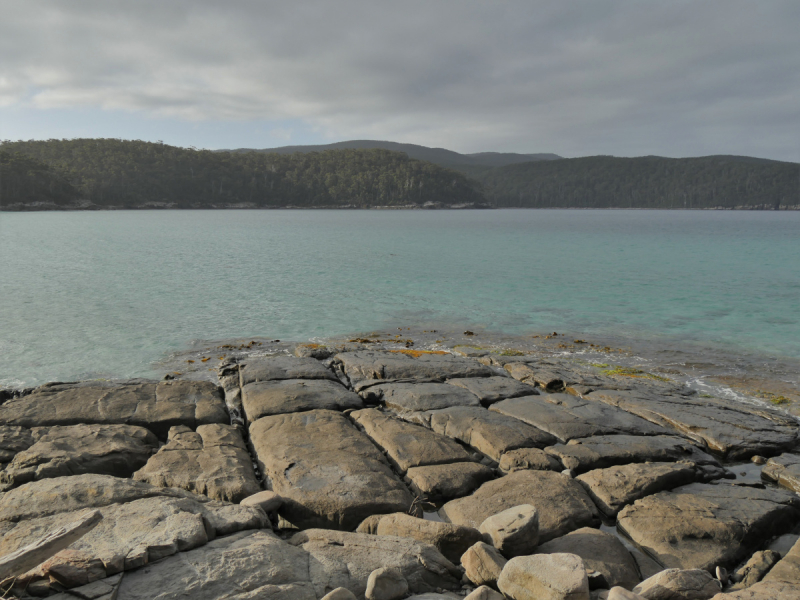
(135,174)
(29,181)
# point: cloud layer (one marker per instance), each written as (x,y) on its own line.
(588,77)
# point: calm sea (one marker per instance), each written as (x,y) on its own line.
(108,294)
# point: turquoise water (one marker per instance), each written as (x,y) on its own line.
(86,294)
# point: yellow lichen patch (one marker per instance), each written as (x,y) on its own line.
(511,352)
(776,399)
(632,372)
(363,341)
(418,353)
(206,359)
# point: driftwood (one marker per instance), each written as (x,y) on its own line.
(32,555)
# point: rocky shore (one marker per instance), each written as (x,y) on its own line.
(367,470)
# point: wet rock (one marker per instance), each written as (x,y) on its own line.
(12,440)
(271,368)
(76,449)
(677,584)
(788,568)
(528,459)
(605,451)
(602,553)
(615,487)
(264,398)
(267,501)
(212,461)
(404,397)
(754,569)
(701,526)
(535,375)
(408,445)
(493,389)
(783,470)
(568,417)
(386,583)
(483,564)
(729,429)
(545,577)
(444,482)
(561,502)
(514,531)
(483,593)
(327,472)
(368,364)
(156,406)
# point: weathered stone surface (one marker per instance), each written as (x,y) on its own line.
(270,368)
(532,459)
(154,405)
(340,559)
(536,375)
(617,593)
(488,432)
(765,590)
(369,364)
(601,552)
(783,470)
(444,482)
(701,526)
(788,568)
(545,577)
(408,445)
(265,398)
(561,502)
(12,440)
(568,417)
(730,429)
(339,594)
(266,500)
(615,487)
(513,531)
(328,473)
(493,389)
(212,461)
(75,449)
(605,451)
(754,569)
(403,397)
(483,564)
(678,584)
(386,583)
(483,593)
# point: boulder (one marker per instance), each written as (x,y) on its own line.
(701,526)
(619,593)
(212,461)
(545,577)
(404,397)
(483,564)
(408,445)
(783,470)
(275,397)
(445,482)
(568,417)
(788,568)
(600,552)
(493,389)
(754,569)
(386,583)
(532,459)
(483,593)
(371,364)
(76,449)
(339,594)
(514,531)
(13,439)
(678,584)
(267,501)
(764,590)
(327,472)
(561,502)
(271,368)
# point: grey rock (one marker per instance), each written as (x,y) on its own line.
(266,500)
(764,590)
(701,526)
(788,568)
(404,397)
(568,417)
(282,367)
(620,593)
(545,577)
(483,564)
(493,389)
(212,461)
(561,502)
(677,584)
(513,531)
(386,583)
(532,459)
(327,472)
(445,482)
(484,593)
(754,569)
(534,374)
(339,593)
(369,364)
(783,470)
(264,398)
(13,439)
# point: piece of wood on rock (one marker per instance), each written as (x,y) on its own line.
(274,368)
(568,417)
(513,531)
(532,459)
(783,470)
(483,564)
(406,397)
(602,553)
(493,389)
(561,502)
(545,577)
(694,584)
(328,473)
(212,461)
(702,526)
(408,445)
(732,430)
(141,524)
(444,482)
(156,406)
(264,398)
(76,449)
(369,364)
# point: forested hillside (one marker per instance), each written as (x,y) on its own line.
(134,174)
(26,180)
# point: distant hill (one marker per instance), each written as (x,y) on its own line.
(26,180)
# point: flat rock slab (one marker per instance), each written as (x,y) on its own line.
(327,471)
(783,470)
(369,364)
(612,489)
(212,461)
(154,405)
(12,440)
(444,482)
(489,432)
(529,458)
(265,398)
(493,389)
(604,451)
(561,502)
(568,417)
(730,429)
(702,526)
(408,445)
(341,559)
(404,397)
(76,449)
(271,368)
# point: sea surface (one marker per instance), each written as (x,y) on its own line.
(113,294)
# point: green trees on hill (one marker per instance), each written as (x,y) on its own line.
(26,180)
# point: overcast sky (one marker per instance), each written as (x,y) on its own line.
(672,78)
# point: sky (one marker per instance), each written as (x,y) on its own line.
(577,78)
